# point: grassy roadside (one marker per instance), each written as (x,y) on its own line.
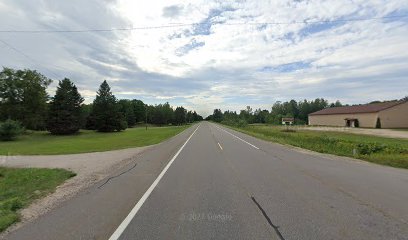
(19,187)
(43,143)
(380,150)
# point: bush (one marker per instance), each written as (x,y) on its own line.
(242,123)
(369,148)
(122,125)
(9,130)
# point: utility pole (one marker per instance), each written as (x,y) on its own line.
(146,116)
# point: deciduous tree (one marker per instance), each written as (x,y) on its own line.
(23,97)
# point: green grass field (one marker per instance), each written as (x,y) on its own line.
(43,143)
(19,187)
(385,151)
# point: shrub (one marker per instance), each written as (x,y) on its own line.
(369,148)
(122,125)
(9,130)
(242,123)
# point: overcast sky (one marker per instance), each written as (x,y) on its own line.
(228,59)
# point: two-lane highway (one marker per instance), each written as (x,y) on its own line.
(199,198)
(220,184)
(255,194)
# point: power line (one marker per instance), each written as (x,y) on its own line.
(177,25)
(18,51)
(329,21)
(26,56)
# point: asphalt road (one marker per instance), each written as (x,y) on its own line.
(211,182)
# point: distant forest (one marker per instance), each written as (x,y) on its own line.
(298,110)
(24,99)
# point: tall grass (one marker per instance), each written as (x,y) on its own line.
(381,150)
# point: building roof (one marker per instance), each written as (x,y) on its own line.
(366,108)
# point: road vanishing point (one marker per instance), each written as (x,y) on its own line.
(211,182)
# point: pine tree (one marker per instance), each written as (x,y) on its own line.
(106,112)
(65,109)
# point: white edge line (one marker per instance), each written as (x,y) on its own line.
(238,138)
(121,228)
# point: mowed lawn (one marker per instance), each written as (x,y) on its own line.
(19,187)
(44,143)
(381,150)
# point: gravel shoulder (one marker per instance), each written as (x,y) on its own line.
(89,167)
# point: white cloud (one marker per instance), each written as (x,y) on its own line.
(217,63)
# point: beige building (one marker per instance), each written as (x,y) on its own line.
(392,114)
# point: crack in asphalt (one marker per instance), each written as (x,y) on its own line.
(120,174)
(276,228)
(245,190)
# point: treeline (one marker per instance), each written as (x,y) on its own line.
(24,99)
(298,110)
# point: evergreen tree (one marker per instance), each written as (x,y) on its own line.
(195,116)
(85,113)
(127,109)
(90,121)
(139,109)
(217,115)
(105,110)
(189,117)
(180,115)
(64,116)
(168,113)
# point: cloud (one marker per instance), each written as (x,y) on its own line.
(193,44)
(223,60)
(172,11)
